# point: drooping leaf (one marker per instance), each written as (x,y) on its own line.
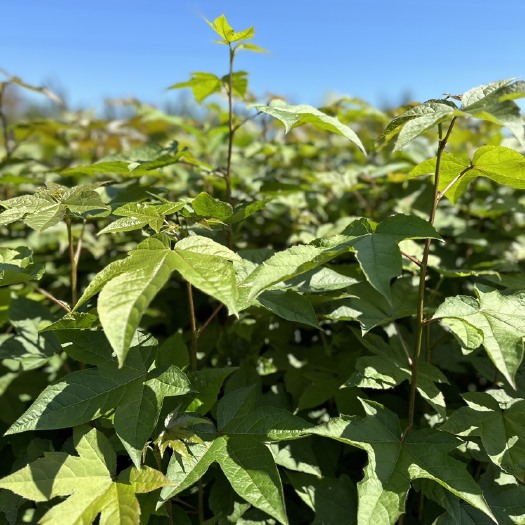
(505,497)
(378,252)
(290,306)
(293,116)
(88,480)
(494,320)
(212,274)
(125,297)
(394,462)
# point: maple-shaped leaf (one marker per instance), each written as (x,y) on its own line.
(89,480)
(239,447)
(393,462)
(136,392)
(503,492)
(389,367)
(127,286)
(499,421)
(494,320)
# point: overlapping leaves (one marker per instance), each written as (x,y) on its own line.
(134,392)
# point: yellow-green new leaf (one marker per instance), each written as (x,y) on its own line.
(221,26)
(89,481)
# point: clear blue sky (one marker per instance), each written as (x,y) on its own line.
(375,49)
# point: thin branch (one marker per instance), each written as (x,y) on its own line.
(51,297)
(193,324)
(403,344)
(210,319)
(3,120)
(411,258)
(453,181)
(72,261)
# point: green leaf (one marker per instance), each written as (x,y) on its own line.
(118,167)
(294,116)
(88,480)
(249,467)
(239,83)
(16,266)
(389,366)
(282,266)
(450,167)
(245,209)
(124,299)
(498,422)
(503,165)
(202,84)
(498,320)
(417,120)
(27,348)
(378,252)
(138,410)
(504,496)
(221,26)
(393,463)
(239,449)
(212,274)
(297,456)
(334,501)
(206,206)
(85,395)
(365,304)
(136,215)
(494,102)
(290,306)
(207,383)
(39,211)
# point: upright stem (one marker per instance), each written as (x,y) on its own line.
(193,324)
(194,366)
(231,133)
(73,260)
(3,121)
(231,127)
(420,317)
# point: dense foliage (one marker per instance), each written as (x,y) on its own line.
(207,319)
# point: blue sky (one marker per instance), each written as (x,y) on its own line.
(379,50)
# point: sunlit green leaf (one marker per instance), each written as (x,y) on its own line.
(394,462)
(500,320)
(293,116)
